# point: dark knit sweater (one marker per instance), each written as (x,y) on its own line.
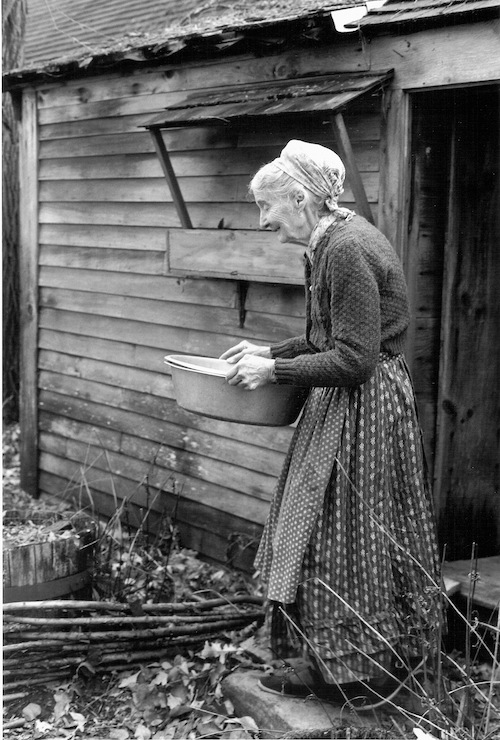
(356,307)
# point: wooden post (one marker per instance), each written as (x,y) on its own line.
(169,173)
(347,155)
(28,267)
(395,180)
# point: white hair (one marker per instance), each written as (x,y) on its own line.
(270,178)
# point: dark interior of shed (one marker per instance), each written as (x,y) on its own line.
(454,233)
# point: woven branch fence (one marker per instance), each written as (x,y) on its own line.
(52,640)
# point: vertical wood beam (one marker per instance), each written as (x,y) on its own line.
(395,180)
(395,192)
(171,178)
(28,266)
(347,155)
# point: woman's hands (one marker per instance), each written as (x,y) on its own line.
(253,365)
(234,354)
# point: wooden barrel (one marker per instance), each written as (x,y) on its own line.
(58,566)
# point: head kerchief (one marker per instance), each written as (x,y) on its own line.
(317,168)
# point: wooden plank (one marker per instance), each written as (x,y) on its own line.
(220,293)
(91,413)
(469,401)
(87,431)
(146,263)
(167,432)
(204,215)
(363,127)
(160,421)
(143,165)
(288,300)
(171,179)
(394,173)
(451,55)
(211,505)
(157,383)
(137,457)
(241,161)
(191,76)
(212,543)
(426,344)
(22,564)
(272,438)
(243,255)
(233,502)
(221,189)
(147,105)
(121,353)
(28,266)
(486,588)
(139,142)
(169,339)
(168,313)
(102,236)
(172,83)
(233,188)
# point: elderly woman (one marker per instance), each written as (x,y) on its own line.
(348,554)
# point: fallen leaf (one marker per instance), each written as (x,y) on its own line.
(180,692)
(173,701)
(421,735)
(79,720)
(161,678)
(248,723)
(129,680)
(207,729)
(61,705)
(31,711)
(43,727)
(119,733)
(142,732)
(167,734)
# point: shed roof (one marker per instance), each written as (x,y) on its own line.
(70,38)
(306,95)
(59,28)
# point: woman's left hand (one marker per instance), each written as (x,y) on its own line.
(251,372)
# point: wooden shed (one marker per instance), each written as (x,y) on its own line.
(138,240)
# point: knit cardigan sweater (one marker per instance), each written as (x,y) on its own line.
(356,307)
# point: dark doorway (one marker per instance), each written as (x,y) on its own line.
(454,249)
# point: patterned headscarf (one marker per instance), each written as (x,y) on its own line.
(317,168)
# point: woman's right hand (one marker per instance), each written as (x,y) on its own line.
(234,354)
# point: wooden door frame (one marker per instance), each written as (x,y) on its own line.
(28,279)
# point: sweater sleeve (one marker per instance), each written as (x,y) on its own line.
(354,305)
(291,347)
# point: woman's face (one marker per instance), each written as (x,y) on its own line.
(288,217)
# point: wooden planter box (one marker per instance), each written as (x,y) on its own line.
(49,569)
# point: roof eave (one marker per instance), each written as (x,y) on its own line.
(155,50)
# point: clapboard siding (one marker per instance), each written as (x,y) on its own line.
(54,345)
(364,126)
(216,540)
(139,457)
(261,297)
(189,444)
(109,312)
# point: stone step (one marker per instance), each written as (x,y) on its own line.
(278,715)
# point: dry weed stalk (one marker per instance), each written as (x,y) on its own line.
(439,713)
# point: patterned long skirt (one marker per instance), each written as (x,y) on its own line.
(349,554)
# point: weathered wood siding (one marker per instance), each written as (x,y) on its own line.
(108,312)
